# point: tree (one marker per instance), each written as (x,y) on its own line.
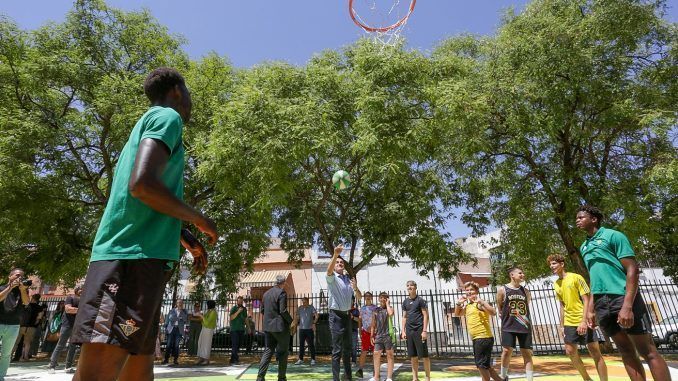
(71,93)
(285,130)
(571,102)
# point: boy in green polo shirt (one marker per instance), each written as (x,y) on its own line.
(619,308)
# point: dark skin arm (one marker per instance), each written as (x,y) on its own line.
(145,185)
(625,317)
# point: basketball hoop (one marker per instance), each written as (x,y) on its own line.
(386,22)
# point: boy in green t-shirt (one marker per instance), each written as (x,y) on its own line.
(574,296)
(137,244)
(619,308)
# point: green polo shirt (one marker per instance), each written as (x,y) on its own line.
(130,229)
(238,324)
(602,254)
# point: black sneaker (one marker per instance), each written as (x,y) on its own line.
(359,373)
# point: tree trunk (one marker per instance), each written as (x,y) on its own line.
(572,250)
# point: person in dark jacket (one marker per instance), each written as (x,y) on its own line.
(277,329)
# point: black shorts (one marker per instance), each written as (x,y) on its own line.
(482,352)
(572,337)
(607,307)
(415,346)
(508,339)
(120,303)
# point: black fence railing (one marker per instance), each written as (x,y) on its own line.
(448,335)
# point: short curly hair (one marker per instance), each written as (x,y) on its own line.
(555,258)
(473,285)
(160,81)
(592,211)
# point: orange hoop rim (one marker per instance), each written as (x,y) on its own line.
(368,28)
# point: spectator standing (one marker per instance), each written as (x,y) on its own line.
(415,330)
(381,337)
(478,312)
(366,312)
(250,331)
(29,323)
(277,322)
(70,309)
(53,328)
(175,322)
(237,315)
(513,302)
(355,323)
(575,296)
(194,327)
(13,298)
(41,326)
(209,323)
(306,319)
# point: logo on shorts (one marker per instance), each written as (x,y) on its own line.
(112,288)
(129,327)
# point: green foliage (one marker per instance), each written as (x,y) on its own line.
(570,103)
(285,130)
(70,95)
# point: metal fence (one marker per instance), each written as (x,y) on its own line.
(448,335)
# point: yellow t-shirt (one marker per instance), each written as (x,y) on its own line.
(569,291)
(478,322)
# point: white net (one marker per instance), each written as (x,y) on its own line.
(383,20)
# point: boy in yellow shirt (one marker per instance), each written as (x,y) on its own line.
(574,296)
(477,312)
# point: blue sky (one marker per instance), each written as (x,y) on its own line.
(253,31)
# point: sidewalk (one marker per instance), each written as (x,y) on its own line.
(547,368)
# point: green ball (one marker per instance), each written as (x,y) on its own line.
(341,179)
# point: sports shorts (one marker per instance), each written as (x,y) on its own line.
(607,307)
(120,303)
(416,347)
(365,341)
(508,339)
(482,352)
(573,337)
(382,344)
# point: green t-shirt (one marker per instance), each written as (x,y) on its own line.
(209,319)
(602,254)
(238,324)
(130,229)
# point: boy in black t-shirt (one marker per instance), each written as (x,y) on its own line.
(415,330)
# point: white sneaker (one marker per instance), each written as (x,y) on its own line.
(312,362)
(70,370)
(372,379)
(51,370)
(299,362)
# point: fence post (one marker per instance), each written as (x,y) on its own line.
(435,322)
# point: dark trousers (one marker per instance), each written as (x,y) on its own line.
(278,342)
(340,328)
(173,341)
(64,336)
(236,341)
(306,335)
